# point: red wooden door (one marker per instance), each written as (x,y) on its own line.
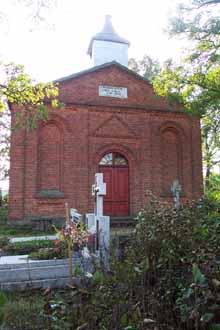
(116,201)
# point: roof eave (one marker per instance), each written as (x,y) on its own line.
(99,67)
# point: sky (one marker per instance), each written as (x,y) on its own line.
(57,46)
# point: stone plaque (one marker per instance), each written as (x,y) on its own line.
(111,91)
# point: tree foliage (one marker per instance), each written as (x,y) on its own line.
(197,20)
(213,192)
(36,10)
(195,85)
(4,143)
(17,87)
(147,67)
(211,143)
(196,81)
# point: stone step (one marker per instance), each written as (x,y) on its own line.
(122,221)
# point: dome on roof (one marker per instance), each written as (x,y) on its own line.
(107,34)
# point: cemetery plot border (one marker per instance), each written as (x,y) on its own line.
(19,272)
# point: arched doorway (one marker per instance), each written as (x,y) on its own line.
(115,169)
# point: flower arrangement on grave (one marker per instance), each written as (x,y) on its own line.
(76,234)
(73,236)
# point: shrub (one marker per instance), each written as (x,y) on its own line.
(178,254)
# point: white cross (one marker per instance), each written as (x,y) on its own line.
(99,191)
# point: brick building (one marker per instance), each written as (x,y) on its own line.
(113,123)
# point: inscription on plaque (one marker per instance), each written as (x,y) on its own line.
(111,91)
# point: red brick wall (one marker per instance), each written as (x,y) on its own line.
(159,142)
(50,157)
(171,158)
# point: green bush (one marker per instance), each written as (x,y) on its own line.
(168,278)
(178,254)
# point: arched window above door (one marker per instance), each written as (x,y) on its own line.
(113,159)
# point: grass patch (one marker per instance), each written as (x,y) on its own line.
(48,253)
(6,230)
(23,312)
(27,247)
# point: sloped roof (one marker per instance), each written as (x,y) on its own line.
(100,67)
(108,33)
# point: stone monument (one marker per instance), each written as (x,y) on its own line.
(176,190)
(99,223)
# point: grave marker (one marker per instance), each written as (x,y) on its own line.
(101,223)
(176,190)
(99,191)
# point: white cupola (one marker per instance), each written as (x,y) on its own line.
(107,46)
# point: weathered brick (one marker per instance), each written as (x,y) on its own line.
(161,143)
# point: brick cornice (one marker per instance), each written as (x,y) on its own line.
(125,106)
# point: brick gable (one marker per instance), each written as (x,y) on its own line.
(84,88)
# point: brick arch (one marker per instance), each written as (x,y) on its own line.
(53,119)
(175,126)
(62,123)
(50,155)
(171,151)
(126,152)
